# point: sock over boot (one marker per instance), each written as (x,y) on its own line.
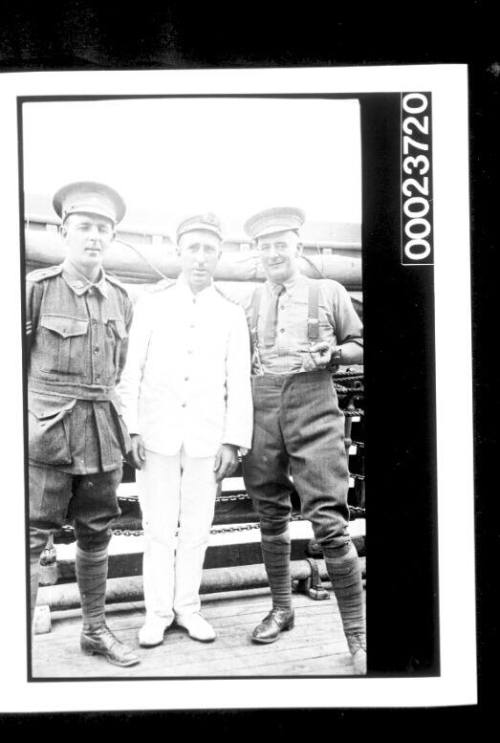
(96,637)
(276,550)
(342,564)
(91,573)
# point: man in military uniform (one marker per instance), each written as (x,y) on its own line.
(77,322)
(301,328)
(187,403)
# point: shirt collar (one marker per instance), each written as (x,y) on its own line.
(297,279)
(79,283)
(206,293)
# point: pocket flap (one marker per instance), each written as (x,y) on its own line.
(64,326)
(118,327)
(45,406)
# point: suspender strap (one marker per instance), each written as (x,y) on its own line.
(257,367)
(313,313)
(312,320)
(256,297)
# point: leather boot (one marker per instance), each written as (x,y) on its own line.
(357,648)
(278,620)
(101,641)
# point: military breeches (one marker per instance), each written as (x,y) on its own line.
(299,436)
(88,501)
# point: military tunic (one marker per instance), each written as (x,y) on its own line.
(77,336)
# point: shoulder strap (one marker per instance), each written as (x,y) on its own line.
(312,319)
(44,273)
(114,280)
(160,285)
(224,296)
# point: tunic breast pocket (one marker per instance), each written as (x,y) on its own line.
(63,344)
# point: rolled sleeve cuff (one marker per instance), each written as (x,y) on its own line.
(353,339)
(130,421)
(237,438)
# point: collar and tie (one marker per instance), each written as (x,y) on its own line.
(271,321)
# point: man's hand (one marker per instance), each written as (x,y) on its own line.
(138,452)
(320,353)
(226,461)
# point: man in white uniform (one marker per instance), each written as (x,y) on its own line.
(187,403)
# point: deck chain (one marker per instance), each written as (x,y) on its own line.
(353,412)
(354,512)
(219,498)
(231,498)
(238,497)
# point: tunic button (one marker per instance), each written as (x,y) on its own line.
(282,330)
(183,404)
(96,349)
(186,379)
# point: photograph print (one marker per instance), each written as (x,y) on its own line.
(195,387)
(240,471)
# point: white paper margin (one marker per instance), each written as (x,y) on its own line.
(457,683)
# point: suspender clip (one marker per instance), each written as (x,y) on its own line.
(313,328)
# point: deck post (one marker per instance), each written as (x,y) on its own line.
(48,564)
(48,577)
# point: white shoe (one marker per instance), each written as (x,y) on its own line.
(197,627)
(152,631)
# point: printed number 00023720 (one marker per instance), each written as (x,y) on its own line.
(416,141)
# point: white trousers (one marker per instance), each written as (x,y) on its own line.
(175,492)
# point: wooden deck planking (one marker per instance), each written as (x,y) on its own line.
(316,646)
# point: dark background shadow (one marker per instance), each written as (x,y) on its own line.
(85,36)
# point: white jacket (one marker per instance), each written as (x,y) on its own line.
(187,376)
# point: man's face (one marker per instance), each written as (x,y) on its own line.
(199,251)
(278,255)
(87,236)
